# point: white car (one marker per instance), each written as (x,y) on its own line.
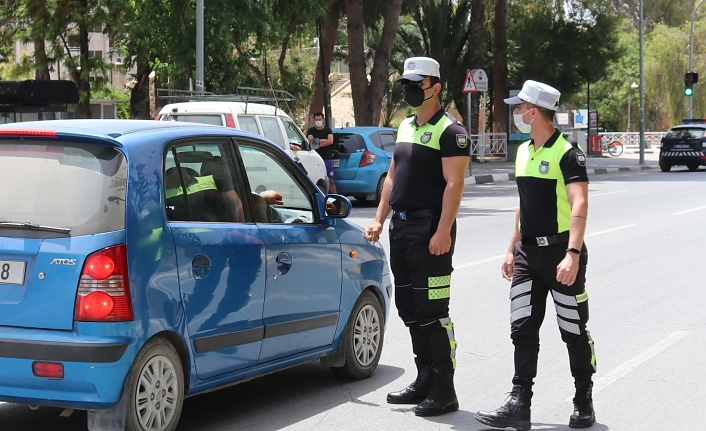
(265,120)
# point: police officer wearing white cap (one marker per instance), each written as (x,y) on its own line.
(424,186)
(547,255)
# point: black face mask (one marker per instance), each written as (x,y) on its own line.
(414,95)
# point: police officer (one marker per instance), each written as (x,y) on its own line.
(547,255)
(424,187)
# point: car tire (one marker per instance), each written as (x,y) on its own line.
(363,338)
(693,168)
(665,167)
(156,388)
(378,190)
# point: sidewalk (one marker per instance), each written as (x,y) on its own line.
(496,169)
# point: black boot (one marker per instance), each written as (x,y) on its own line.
(514,414)
(417,390)
(442,396)
(583,416)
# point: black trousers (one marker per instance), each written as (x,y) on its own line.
(533,278)
(422,290)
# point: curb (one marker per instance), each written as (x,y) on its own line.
(496,178)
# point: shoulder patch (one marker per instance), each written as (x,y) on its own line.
(426,137)
(461,140)
(581,159)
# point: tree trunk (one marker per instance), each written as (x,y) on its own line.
(84,86)
(139,95)
(500,66)
(38,39)
(330,27)
(477,45)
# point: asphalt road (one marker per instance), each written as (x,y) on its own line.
(645,238)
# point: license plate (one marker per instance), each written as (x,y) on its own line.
(12,272)
(336,163)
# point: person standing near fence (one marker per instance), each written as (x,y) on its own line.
(547,255)
(424,186)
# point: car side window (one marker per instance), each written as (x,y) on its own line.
(200,184)
(276,194)
(247,122)
(271,130)
(388,141)
(293,134)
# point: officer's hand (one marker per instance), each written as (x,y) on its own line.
(508,266)
(372,232)
(440,243)
(567,269)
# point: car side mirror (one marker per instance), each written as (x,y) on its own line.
(332,207)
(314,143)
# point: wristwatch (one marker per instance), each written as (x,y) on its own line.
(573,250)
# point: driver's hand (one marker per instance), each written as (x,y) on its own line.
(295,147)
(272,197)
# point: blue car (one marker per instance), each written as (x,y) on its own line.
(144,261)
(361,160)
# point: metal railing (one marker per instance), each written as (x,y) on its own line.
(632,139)
(487,144)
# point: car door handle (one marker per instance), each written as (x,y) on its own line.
(284,263)
(201,266)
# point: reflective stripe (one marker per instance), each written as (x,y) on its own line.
(520,289)
(568,313)
(522,301)
(568,326)
(583,297)
(443,293)
(440,281)
(564,299)
(593,352)
(447,324)
(520,313)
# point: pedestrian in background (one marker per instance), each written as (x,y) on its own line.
(325,136)
(547,255)
(424,187)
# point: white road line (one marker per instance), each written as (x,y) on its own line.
(601,232)
(621,371)
(478,262)
(608,193)
(508,209)
(688,211)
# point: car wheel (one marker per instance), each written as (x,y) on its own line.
(692,168)
(363,338)
(378,190)
(665,167)
(156,388)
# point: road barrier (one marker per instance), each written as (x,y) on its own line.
(632,139)
(487,144)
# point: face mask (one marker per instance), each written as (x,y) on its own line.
(414,95)
(520,123)
(318,123)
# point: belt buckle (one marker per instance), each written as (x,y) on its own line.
(402,215)
(542,241)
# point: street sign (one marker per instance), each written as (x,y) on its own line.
(480,78)
(469,86)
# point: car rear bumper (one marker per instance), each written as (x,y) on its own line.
(365,182)
(95,366)
(682,157)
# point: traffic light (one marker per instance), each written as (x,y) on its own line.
(689,83)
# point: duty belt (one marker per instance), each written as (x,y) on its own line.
(416,214)
(543,241)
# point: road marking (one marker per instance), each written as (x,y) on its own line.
(601,232)
(508,209)
(478,262)
(621,371)
(608,193)
(688,211)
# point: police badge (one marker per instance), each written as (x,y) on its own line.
(426,137)
(461,140)
(544,167)
(581,159)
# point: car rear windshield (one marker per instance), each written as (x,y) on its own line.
(216,120)
(686,133)
(63,185)
(348,142)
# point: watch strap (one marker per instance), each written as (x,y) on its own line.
(573,250)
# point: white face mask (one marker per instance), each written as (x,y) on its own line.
(520,122)
(318,123)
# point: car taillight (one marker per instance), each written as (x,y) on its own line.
(367,159)
(229,121)
(158,117)
(103,290)
(49,370)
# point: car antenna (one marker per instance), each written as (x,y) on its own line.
(273,94)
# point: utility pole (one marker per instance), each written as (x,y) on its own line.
(691,53)
(324,75)
(642,83)
(199,46)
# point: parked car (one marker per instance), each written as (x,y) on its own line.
(138,266)
(265,120)
(684,145)
(361,160)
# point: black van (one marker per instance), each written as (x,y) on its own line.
(684,145)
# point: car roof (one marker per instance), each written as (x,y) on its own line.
(103,128)
(237,108)
(362,129)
